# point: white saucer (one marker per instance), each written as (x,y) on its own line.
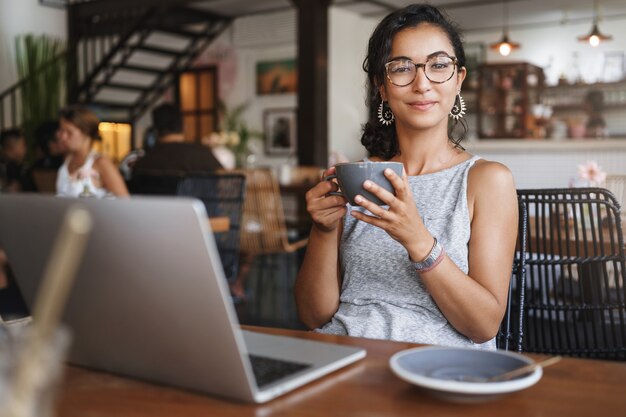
(441,369)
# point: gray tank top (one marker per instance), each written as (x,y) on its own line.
(382,296)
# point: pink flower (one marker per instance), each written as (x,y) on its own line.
(592,173)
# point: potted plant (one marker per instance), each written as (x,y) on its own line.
(234,134)
(41,66)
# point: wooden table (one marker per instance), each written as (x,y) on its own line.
(219,224)
(573,387)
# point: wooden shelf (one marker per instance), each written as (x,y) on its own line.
(511,89)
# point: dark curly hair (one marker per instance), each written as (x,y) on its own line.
(379,140)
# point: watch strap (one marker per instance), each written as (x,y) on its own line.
(434,257)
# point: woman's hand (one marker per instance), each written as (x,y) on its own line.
(402,220)
(325,210)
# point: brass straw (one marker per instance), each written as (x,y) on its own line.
(524,369)
(57,281)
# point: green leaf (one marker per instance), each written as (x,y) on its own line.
(40,63)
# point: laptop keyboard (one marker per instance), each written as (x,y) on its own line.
(268,370)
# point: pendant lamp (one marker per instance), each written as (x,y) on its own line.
(505,46)
(595,37)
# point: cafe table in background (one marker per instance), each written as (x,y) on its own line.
(572,387)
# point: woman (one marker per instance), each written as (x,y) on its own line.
(85,172)
(434,264)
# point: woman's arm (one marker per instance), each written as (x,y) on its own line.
(473,303)
(110,176)
(318,284)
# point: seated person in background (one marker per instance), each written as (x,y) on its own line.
(85,172)
(172,155)
(50,152)
(594,105)
(127,165)
(14,172)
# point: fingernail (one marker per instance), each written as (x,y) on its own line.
(367,184)
(358,199)
(388,171)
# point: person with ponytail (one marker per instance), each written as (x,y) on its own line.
(85,172)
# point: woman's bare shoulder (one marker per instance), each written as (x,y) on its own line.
(489,173)
(489,179)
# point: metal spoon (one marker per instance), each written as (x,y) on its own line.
(512,374)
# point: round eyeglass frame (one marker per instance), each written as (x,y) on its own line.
(455,62)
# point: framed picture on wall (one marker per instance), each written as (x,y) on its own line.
(276,77)
(279,131)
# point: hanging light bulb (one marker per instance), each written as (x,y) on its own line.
(505,46)
(595,37)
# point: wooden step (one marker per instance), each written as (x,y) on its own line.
(141,68)
(157,50)
(178,32)
(125,86)
(113,104)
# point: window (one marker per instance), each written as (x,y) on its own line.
(197,95)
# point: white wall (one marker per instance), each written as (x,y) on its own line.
(19,17)
(544,164)
(347,46)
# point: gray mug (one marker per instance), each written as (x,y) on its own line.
(352,175)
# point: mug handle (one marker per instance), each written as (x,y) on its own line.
(332,177)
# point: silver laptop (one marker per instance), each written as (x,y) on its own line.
(151,301)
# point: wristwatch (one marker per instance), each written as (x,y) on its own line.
(434,257)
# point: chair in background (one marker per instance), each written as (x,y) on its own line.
(45,180)
(155,183)
(264,238)
(510,335)
(575,294)
(223,196)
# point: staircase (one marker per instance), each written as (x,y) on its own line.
(122,59)
(125,60)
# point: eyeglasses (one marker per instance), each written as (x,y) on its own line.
(438,69)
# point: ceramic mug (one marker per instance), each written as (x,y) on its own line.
(352,175)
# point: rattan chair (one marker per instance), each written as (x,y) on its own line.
(223,195)
(575,293)
(265,231)
(511,335)
(264,239)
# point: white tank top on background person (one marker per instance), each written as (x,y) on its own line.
(81,181)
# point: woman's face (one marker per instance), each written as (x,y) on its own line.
(422,104)
(71,137)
